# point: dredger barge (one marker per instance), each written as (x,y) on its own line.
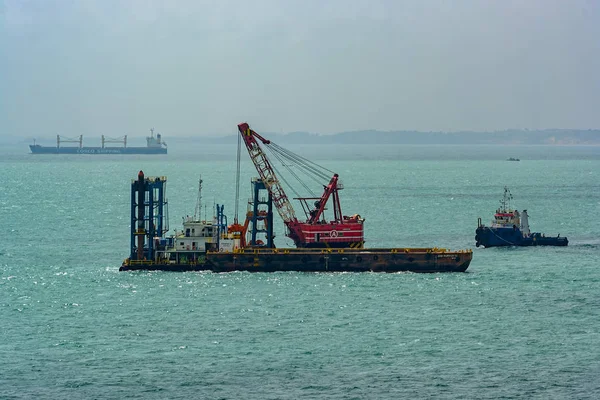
(322,245)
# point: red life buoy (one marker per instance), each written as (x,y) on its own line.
(333,234)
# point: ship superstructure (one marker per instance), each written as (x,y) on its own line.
(188,246)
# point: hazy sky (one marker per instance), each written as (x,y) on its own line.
(200,67)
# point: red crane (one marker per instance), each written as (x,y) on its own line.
(316,231)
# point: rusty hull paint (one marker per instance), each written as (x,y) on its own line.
(330,260)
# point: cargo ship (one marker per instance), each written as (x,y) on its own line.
(154,145)
(511,228)
(321,244)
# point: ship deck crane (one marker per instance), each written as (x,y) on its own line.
(122,139)
(60,139)
(315,231)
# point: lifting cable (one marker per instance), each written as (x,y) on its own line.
(303,163)
(237,179)
(282,178)
(310,168)
(280,158)
(308,163)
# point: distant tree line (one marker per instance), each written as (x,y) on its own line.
(507,137)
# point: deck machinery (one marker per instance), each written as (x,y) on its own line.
(186,249)
(315,231)
(148,215)
(259,217)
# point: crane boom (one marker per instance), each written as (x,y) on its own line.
(267,174)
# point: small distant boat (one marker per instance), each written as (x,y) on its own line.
(511,228)
(512,159)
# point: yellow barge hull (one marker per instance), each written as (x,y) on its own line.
(425,260)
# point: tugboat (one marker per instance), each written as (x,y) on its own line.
(511,228)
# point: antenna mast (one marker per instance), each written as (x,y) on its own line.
(198,210)
(506,199)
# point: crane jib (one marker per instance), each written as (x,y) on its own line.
(267,174)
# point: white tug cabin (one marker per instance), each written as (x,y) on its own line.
(505,217)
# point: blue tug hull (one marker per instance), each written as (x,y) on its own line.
(512,236)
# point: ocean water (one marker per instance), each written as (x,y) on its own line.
(521,323)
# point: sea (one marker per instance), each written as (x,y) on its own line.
(521,323)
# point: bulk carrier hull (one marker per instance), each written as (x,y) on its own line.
(37,149)
(422,260)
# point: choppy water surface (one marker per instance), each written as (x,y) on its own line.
(522,323)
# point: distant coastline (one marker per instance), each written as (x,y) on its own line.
(506,137)
(557,137)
